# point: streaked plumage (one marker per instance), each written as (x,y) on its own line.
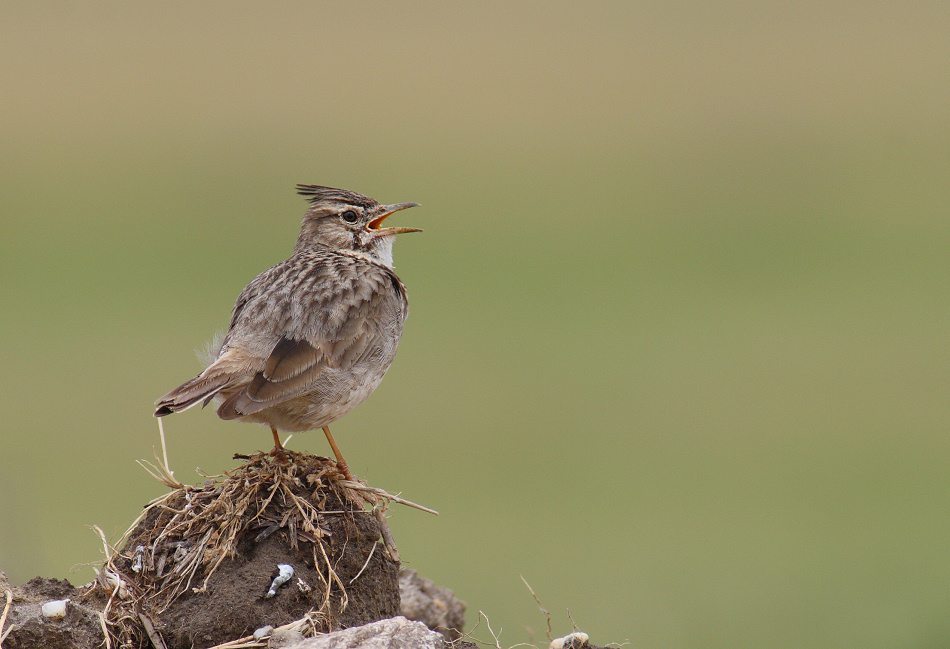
(312,337)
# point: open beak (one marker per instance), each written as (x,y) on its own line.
(374,225)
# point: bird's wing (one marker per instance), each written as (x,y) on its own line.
(334,324)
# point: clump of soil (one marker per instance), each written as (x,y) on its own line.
(26,627)
(197,566)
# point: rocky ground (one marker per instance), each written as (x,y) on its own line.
(280,552)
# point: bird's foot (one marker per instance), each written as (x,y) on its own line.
(344,468)
(279,452)
(280,455)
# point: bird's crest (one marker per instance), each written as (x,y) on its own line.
(319,194)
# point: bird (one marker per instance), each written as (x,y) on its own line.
(311,337)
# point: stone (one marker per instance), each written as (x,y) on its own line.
(284,638)
(392,633)
(436,607)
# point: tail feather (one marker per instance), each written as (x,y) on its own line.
(200,388)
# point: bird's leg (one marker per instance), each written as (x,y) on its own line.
(277,445)
(278,452)
(341,464)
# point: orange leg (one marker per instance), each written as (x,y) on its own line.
(340,462)
(277,445)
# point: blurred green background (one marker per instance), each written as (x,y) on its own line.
(678,348)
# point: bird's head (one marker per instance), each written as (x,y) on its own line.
(345,220)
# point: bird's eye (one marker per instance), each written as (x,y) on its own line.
(349,216)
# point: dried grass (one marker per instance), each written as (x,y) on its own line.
(3,618)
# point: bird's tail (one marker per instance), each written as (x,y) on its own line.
(201,388)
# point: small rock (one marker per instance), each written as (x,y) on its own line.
(436,607)
(263,632)
(392,633)
(282,638)
(56,609)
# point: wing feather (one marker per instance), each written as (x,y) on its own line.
(290,358)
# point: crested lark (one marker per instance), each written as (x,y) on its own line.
(311,338)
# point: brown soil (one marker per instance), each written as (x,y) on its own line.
(234,603)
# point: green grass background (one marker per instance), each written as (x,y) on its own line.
(678,348)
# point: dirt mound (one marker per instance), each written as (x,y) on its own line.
(198,566)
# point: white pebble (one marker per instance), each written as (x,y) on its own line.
(55,609)
(286,571)
(576,639)
(263,632)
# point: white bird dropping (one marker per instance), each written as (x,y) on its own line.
(286,571)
